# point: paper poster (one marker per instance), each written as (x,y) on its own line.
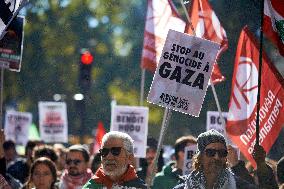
(132,120)
(17,126)
(53,122)
(181,78)
(189,152)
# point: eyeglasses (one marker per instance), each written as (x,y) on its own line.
(211,152)
(113,150)
(74,161)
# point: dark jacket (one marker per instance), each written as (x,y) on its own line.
(168,177)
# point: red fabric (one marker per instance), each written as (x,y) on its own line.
(274,12)
(161,16)
(206,25)
(241,119)
(101,178)
(71,182)
(99,136)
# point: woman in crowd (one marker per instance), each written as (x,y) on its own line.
(42,175)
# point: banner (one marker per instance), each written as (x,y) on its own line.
(241,122)
(9,10)
(161,16)
(208,26)
(273,24)
(189,152)
(17,126)
(132,120)
(53,122)
(11,45)
(182,76)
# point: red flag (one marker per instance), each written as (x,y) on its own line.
(207,26)
(100,132)
(161,16)
(241,121)
(273,24)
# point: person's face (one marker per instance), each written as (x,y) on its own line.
(10,154)
(214,157)
(75,163)
(150,155)
(115,162)
(42,177)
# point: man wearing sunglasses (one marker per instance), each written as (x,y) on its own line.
(116,170)
(76,172)
(210,169)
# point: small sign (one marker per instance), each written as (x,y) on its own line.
(11,45)
(189,152)
(17,126)
(132,120)
(182,76)
(53,122)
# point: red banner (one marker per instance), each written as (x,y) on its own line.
(161,16)
(206,25)
(273,25)
(241,122)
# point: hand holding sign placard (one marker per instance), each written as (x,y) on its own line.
(181,79)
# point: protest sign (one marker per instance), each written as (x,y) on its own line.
(11,45)
(182,76)
(132,120)
(189,152)
(53,121)
(17,126)
(214,121)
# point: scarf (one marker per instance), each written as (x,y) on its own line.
(225,180)
(72,182)
(101,178)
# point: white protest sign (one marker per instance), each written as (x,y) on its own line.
(189,152)
(214,122)
(53,121)
(183,72)
(132,120)
(17,126)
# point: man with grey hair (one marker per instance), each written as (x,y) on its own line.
(116,170)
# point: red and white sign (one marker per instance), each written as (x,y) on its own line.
(17,126)
(207,25)
(182,76)
(161,16)
(273,25)
(241,122)
(53,121)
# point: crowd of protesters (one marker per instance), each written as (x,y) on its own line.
(216,165)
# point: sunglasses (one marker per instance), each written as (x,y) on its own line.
(211,152)
(115,151)
(74,161)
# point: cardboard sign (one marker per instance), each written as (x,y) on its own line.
(11,45)
(182,76)
(17,126)
(132,120)
(189,152)
(9,10)
(53,121)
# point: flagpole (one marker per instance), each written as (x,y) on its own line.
(1,97)
(165,124)
(212,85)
(259,74)
(142,87)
